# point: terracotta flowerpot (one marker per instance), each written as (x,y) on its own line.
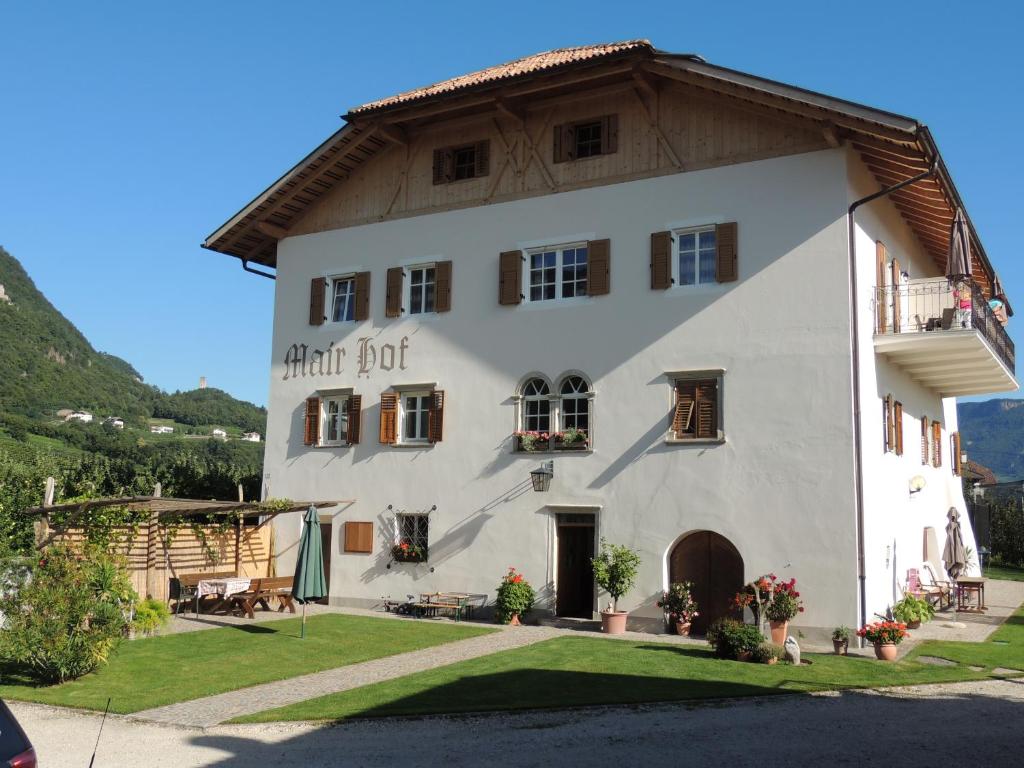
(886,651)
(771,660)
(613,622)
(779,630)
(841,647)
(683,628)
(514,621)
(914,624)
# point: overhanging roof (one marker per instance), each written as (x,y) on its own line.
(894,147)
(185,507)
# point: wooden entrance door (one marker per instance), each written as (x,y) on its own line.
(575,593)
(325,549)
(715,567)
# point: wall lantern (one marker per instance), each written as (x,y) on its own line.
(541,477)
(917,483)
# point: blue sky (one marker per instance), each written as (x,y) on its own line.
(129,131)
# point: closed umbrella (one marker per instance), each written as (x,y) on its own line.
(958,262)
(954,555)
(308,584)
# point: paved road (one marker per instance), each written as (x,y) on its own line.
(968,723)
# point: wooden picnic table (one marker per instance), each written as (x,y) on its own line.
(457,603)
(223,589)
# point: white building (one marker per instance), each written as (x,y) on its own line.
(160,429)
(114,421)
(220,434)
(82,416)
(653,250)
(251,437)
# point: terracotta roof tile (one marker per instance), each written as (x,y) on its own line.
(526,65)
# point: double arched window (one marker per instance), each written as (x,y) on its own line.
(558,417)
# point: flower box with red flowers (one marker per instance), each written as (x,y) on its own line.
(883,632)
(531,442)
(570,440)
(406,552)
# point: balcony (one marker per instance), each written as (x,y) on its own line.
(945,336)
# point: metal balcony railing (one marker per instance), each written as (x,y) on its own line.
(937,305)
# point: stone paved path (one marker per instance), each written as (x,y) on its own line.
(225,706)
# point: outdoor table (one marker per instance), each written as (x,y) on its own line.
(967,586)
(223,588)
(451,601)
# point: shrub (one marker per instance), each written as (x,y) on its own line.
(615,570)
(766,652)
(66,613)
(515,596)
(912,608)
(730,638)
(150,615)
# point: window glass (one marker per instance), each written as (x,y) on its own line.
(416,417)
(421,290)
(536,406)
(465,163)
(575,404)
(558,273)
(334,428)
(697,257)
(588,139)
(413,530)
(343,303)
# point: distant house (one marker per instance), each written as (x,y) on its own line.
(114,421)
(252,437)
(220,434)
(160,429)
(978,473)
(81,416)
(4,296)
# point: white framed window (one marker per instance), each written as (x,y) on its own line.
(574,404)
(558,418)
(342,299)
(695,256)
(333,419)
(414,416)
(556,272)
(421,288)
(536,396)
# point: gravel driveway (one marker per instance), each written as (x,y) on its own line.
(969,723)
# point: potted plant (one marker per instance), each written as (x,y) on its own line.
(531,441)
(679,606)
(515,598)
(784,605)
(615,570)
(407,552)
(734,640)
(767,653)
(841,640)
(571,439)
(885,636)
(912,610)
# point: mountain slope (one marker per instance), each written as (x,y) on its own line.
(992,433)
(47,365)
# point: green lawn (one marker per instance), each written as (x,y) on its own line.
(578,671)
(1004,572)
(163,670)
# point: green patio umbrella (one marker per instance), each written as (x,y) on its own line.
(308,584)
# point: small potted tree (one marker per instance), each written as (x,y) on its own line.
(785,604)
(841,640)
(679,606)
(615,570)
(515,598)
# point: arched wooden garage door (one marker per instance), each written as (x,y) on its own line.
(715,567)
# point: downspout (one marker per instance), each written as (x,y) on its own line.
(858,467)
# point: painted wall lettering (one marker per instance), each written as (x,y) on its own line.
(301,361)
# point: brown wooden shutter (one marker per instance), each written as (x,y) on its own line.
(954,446)
(482,158)
(354,412)
(362,309)
(924,439)
(388,418)
(661,260)
(609,134)
(707,409)
(393,295)
(897,417)
(311,431)
(317,300)
(895,296)
(684,419)
(358,537)
(726,238)
(435,416)
(880,261)
(936,444)
(443,286)
(599,267)
(890,426)
(565,143)
(444,165)
(510,277)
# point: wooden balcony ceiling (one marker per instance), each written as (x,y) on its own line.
(893,147)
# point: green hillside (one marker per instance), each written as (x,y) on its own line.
(47,365)
(992,433)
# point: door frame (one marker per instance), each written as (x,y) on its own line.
(553,511)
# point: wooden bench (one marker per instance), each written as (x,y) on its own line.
(262,591)
(184,587)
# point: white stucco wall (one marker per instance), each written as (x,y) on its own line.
(780,487)
(895,520)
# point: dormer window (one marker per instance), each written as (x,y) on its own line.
(458,163)
(586,138)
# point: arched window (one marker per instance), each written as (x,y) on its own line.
(536,411)
(575,404)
